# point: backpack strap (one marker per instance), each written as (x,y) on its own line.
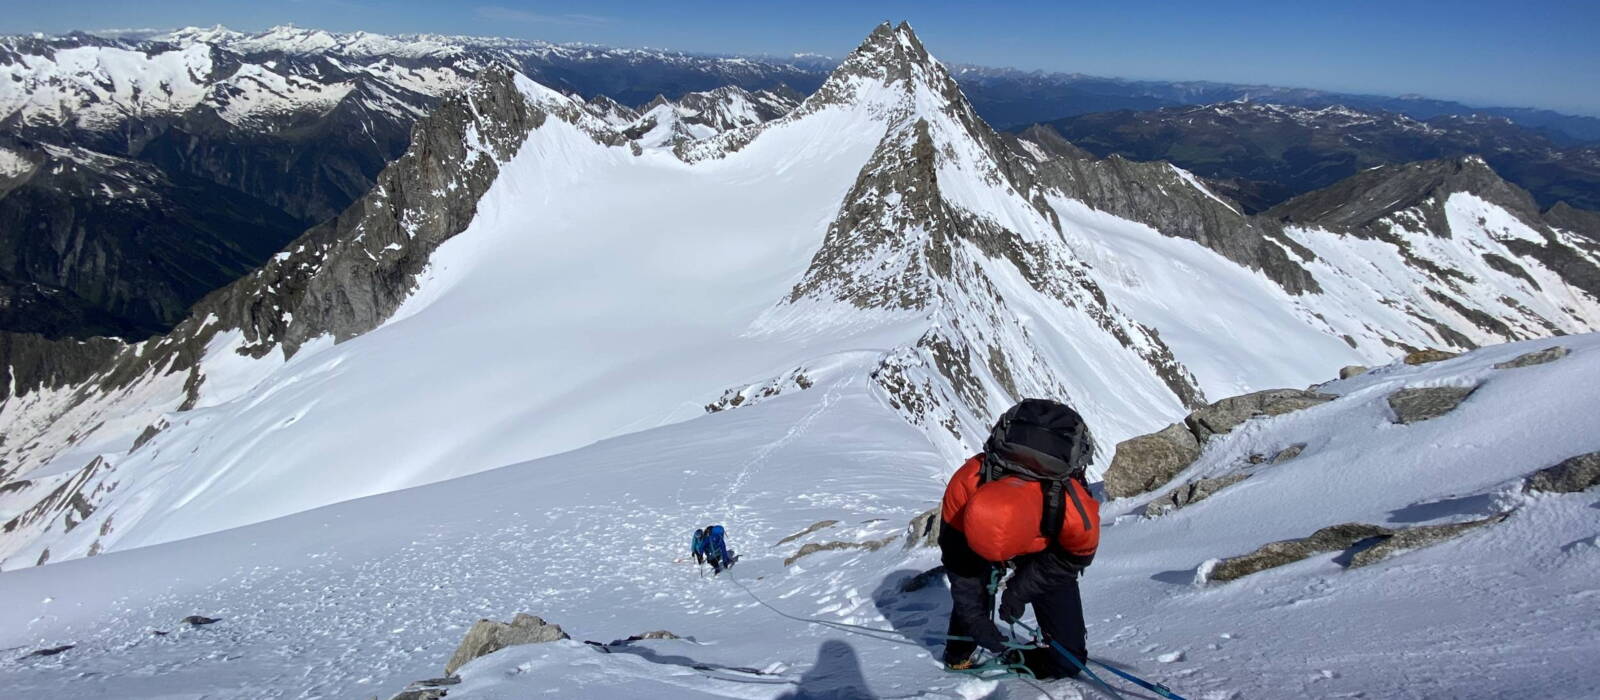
(1055,496)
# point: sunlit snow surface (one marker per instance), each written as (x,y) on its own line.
(356,599)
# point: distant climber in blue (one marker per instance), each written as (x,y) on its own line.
(713,547)
(697,546)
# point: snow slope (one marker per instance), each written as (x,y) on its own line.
(357,599)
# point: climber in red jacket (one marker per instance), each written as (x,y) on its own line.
(1022,503)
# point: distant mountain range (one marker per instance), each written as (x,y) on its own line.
(140,172)
(1262,154)
(1014,98)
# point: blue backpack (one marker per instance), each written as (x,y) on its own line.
(716,547)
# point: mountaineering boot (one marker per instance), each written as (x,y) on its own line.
(1046,664)
(962,665)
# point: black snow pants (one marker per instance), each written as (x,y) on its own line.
(1051,589)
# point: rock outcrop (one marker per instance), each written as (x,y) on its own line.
(1423,357)
(1349,371)
(1537,357)
(1223,416)
(1191,492)
(1417,404)
(1366,544)
(1575,474)
(1146,462)
(811,548)
(489,636)
(923,530)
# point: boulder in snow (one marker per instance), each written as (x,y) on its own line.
(489,636)
(1275,554)
(1415,538)
(1418,404)
(811,548)
(1223,416)
(1423,357)
(1537,357)
(1352,371)
(1143,463)
(820,524)
(1576,474)
(654,634)
(1148,461)
(923,531)
(431,689)
(1192,492)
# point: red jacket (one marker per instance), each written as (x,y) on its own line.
(1000,519)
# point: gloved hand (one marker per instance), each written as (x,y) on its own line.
(1012,606)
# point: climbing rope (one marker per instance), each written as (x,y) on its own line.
(996,663)
(863,630)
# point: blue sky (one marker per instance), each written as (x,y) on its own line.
(1538,53)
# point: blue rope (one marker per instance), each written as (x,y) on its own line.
(1156,688)
(1074,659)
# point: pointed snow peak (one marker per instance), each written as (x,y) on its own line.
(890,57)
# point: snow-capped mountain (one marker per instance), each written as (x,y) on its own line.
(526,280)
(697,115)
(248,139)
(812,317)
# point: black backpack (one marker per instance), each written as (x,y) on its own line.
(1044,441)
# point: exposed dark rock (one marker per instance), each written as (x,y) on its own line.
(923,530)
(489,636)
(1537,357)
(1275,554)
(1584,222)
(51,651)
(813,527)
(1415,538)
(1362,203)
(1502,264)
(1191,492)
(1288,453)
(1425,403)
(1423,357)
(811,548)
(1352,371)
(1148,461)
(149,433)
(1572,475)
(1225,415)
(1365,545)
(655,634)
(31,362)
(1154,193)
(199,620)
(430,689)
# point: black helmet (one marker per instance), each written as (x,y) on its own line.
(1043,438)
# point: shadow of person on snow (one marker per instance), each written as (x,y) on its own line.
(835,676)
(917,605)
